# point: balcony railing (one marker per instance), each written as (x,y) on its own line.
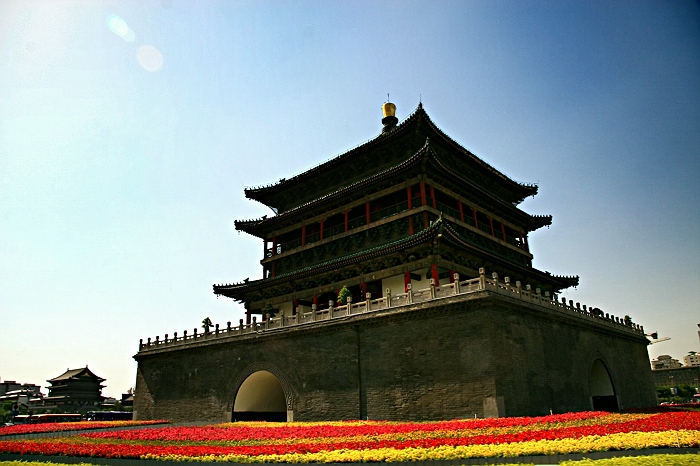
(397,301)
(389,211)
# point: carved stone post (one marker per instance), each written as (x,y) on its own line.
(313,312)
(432,288)
(388,298)
(348,305)
(409,295)
(368,302)
(456,282)
(330,309)
(240,326)
(482,278)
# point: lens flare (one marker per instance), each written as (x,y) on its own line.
(149,58)
(118,26)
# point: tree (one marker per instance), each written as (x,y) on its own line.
(269,310)
(343,295)
(206,324)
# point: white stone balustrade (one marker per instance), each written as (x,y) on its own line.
(392,301)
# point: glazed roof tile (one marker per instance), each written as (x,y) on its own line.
(257,225)
(262,193)
(426,235)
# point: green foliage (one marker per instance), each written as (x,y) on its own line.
(206,323)
(650,460)
(684,395)
(269,310)
(39,463)
(343,295)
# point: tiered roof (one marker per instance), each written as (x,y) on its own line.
(449,233)
(415,149)
(425,159)
(382,151)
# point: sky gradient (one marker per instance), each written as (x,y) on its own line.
(129,129)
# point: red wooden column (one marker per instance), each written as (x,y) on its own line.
(452,276)
(461,211)
(274,245)
(321,232)
(522,242)
(527,245)
(367,213)
(491,223)
(314,300)
(432,195)
(406,281)
(346,219)
(503,231)
(434,274)
(264,248)
(363,285)
(247,316)
(272,270)
(409,195)
(476,221)
(423,201)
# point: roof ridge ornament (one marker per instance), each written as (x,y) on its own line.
(389,121)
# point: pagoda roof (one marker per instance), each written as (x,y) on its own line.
(423,157)
(273,195)
(233,290)
(238,291)
(75,373)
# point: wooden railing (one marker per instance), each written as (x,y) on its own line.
(392,301)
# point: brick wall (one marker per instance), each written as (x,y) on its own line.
(480,354)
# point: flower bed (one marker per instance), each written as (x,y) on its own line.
(63,426)
(363,441)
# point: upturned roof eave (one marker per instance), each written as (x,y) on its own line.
(259,227)
(560,281)
(241,288)
(264,194)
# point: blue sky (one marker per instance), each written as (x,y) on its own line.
(129,129)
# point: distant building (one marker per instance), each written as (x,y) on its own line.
(665,362)
(676,377)
(691,360)
(11,386)
(75,388)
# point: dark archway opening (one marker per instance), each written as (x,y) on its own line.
(260,398)
(603,396)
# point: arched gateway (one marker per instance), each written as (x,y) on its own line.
(261,397)
(603,396)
